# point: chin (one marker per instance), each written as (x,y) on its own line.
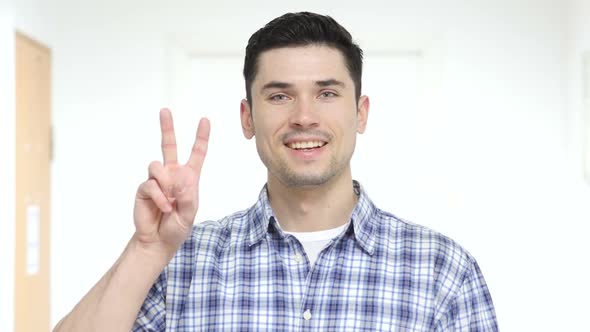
(304,180)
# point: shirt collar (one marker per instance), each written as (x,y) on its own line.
(363,225)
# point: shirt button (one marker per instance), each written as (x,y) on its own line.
(307,314)
(298,258)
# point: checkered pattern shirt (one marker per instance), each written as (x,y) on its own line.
(381,273)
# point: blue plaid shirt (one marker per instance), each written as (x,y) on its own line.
(380,274)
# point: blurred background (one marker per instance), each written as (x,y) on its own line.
(479,128)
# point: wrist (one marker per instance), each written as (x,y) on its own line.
(151,253)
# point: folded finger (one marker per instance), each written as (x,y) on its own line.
(157,172)
(151,190)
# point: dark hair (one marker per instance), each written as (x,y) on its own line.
(301,29)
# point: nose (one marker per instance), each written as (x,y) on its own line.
(303,115)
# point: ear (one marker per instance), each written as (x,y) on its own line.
(362,114)
(246,118)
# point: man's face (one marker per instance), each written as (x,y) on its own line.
(305,115)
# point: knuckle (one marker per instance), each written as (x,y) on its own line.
(200,149)
(151,185)
(204,138)
(145,187)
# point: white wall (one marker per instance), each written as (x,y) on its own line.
(578,38)
(506,179)
(7,162)
(578,43)
(578,47)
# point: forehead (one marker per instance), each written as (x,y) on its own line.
(302,63)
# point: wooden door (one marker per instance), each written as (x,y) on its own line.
(33,154)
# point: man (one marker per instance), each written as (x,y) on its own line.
(313,253)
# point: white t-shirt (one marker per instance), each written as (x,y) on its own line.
(314,242)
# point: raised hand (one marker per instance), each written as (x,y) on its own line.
(166,204)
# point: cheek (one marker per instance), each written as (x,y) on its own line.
(346,126)
(265,140)
(267,128)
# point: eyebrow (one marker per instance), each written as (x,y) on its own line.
(330,82)
(276,85)
(285,85)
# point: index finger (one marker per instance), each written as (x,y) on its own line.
(200,147)
(168,137)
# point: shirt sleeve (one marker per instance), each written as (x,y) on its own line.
(472,309)
(152,314)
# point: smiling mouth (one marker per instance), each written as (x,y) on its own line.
(309,145)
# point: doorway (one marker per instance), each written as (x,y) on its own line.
(33,157)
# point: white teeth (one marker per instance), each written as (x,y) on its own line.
(306,145)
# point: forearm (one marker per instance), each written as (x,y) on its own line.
(113,303)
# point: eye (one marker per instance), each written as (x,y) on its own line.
(278,97)
(328,94)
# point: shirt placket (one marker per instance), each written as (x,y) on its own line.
(298,263)
(313,276)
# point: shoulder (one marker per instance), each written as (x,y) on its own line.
(437,265)
(447,262)
(435,262)
(407,234)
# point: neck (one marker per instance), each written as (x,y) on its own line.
(313,208)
